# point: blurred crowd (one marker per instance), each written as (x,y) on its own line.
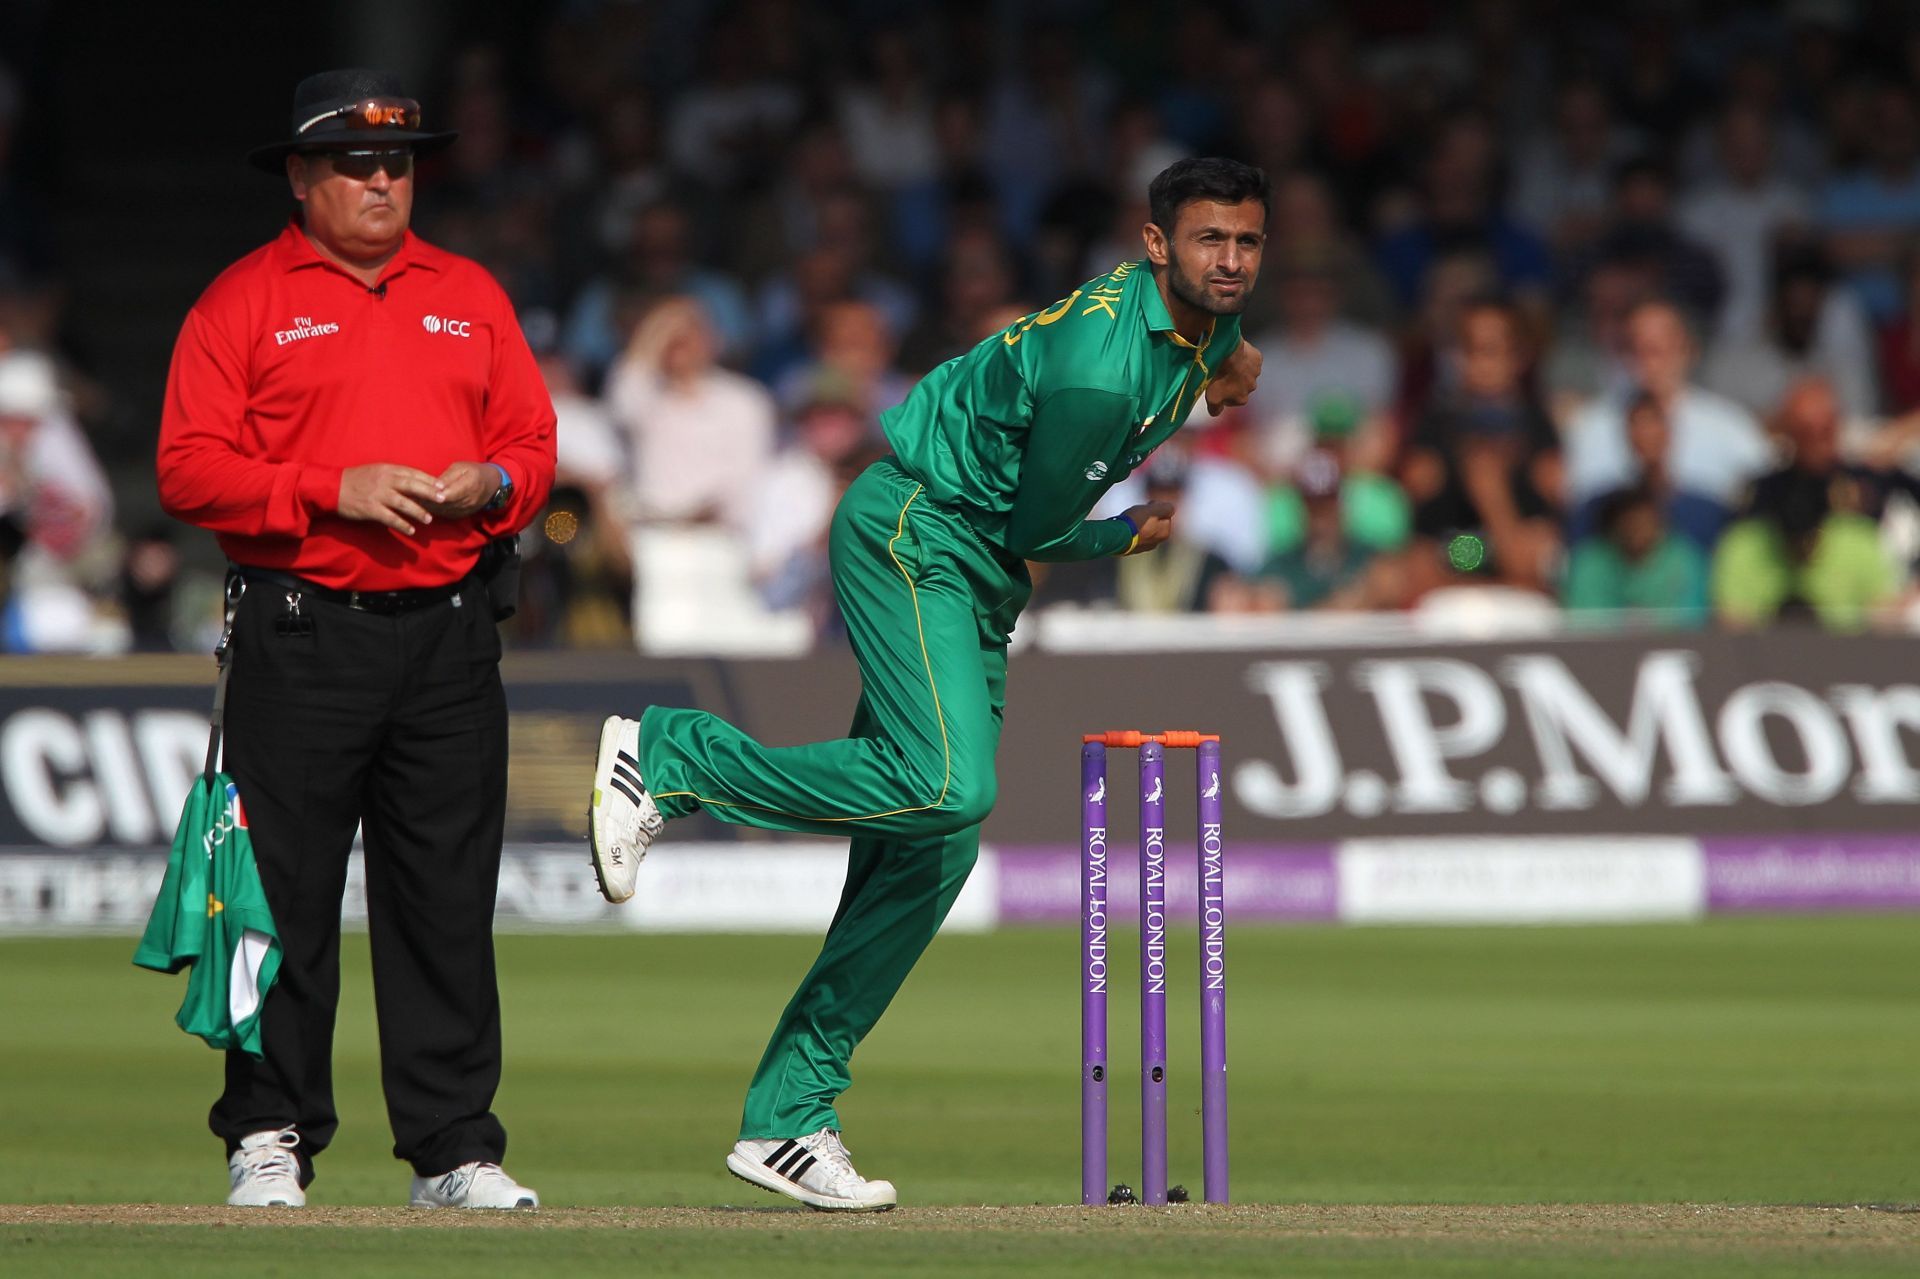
(1564,307)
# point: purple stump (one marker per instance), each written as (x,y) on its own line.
(1093,973)
(1213,976)
(1153,973)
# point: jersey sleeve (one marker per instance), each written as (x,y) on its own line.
(1071,429)
(204,477)
(518,428)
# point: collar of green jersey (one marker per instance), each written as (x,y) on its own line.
(1160,320)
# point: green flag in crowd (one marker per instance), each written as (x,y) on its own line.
(212,915)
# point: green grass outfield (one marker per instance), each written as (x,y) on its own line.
(1737,1062)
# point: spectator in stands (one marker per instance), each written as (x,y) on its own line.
(1326,569)
(960,195)
(659,263)
(629,172)
(833,440)
(1454,282)
(1810,424)
(1588,356)
(853,344)
(1459,211)
(1869,212)
(1485,458)
(1181,576)
(1313,361)
(1373,508)
(1645,234)
(887,114)
(1812,327)
(56,513)
(978,283)
(1899,344)
(1634,562)
(1687,514)
(593,472)
(1275,131)
(1716,446)
(1344,103)
(1798,557)
(1564,176)
(1306,222)
(149,581)
(1044,120)
(1794,154)
(730,126)
(702,436)
(1810,538)
(1739,213)
(788,216)
(787,310)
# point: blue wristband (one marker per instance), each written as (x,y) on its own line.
(1133,528)
(502,494)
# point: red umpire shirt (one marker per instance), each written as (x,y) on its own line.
(289,370)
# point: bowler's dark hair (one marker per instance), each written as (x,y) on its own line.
(1214,178)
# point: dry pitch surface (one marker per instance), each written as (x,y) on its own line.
(1707,1225)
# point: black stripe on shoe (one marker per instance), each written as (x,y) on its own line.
(628,760)
(793,1160)
(618,784)
(629,776)
(781,1153)
(801,1171)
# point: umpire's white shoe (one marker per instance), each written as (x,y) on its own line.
(816,1169)
(472,1185)
(623,819)
(264,1171)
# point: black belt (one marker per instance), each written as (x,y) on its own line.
(386,603)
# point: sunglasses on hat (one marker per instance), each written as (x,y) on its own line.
(371,113)
(360,166)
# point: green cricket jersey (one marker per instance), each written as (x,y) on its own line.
(1025,433)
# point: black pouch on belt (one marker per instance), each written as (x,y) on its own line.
(499,570)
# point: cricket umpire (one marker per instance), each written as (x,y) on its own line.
(356,416)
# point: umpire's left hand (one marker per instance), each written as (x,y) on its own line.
(465,487)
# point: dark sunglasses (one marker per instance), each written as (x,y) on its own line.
(362,165)
(371,113)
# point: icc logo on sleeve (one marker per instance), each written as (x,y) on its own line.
(441,324)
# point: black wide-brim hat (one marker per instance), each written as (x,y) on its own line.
(324,119)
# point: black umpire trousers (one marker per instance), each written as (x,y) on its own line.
(397,724)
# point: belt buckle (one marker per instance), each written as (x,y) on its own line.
(353,601)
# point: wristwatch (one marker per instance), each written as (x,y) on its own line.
(503,494)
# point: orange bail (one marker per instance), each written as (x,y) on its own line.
(1133,738)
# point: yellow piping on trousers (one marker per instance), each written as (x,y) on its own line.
(940,717)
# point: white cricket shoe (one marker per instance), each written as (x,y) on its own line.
(816,1169)
(623,819)
(265,1172)
(472,1185)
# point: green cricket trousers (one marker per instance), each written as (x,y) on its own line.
(929,607)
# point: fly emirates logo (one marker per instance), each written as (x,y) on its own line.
(303,328)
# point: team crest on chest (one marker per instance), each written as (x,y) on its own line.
(1098,471)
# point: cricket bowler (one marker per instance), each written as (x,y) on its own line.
(998,456)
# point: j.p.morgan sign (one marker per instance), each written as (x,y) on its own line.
(1786,731)
(1747,733)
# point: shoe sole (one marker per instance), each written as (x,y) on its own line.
(602,768)
(772,1182)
